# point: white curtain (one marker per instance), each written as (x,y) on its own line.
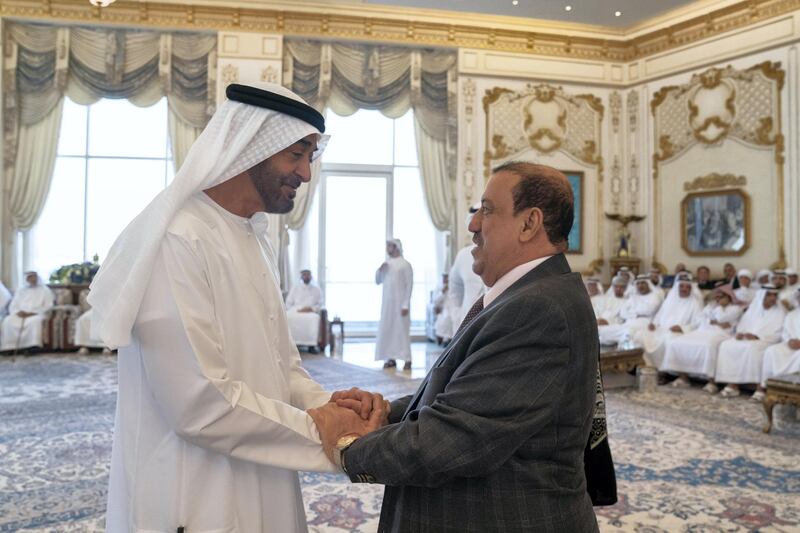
(43,63)
(349,77)
(181,137)
(436,183)
(37,147)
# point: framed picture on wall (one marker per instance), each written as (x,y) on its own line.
(715,223)
(576,234)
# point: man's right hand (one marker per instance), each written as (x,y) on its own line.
(794,344)
(361,401)
(334,422)
(602,322)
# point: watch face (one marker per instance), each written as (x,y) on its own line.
(346,441)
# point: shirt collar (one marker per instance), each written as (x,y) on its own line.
(511,277)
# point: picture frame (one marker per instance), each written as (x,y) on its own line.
(715,223)
(575,178)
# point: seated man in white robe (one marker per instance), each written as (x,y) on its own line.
(613,305)
(22,328)
(762,278)
(636,314)
(783,358)
(678,315)
(302,311)
(780,278)
(595,289)
(746,291)
(630,282)
(83,335)
(695,353)
(740,359)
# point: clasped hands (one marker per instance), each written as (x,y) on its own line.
(349,412)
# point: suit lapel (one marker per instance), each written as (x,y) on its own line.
(554,266)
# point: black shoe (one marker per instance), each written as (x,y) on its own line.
(407,365)
(390,363)
(313,349)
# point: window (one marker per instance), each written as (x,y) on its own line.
(370,190)
(113,159)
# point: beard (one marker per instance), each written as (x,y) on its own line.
(270,187)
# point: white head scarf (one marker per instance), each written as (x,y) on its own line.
(397,243)
(756,316)
(237,137)
(676,310)
(745,273)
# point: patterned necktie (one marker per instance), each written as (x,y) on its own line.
(476,308)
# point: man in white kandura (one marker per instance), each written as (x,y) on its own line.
(746,291)
(677,316)
(302,310)
(465,286)
(783,358)
(83,335)
(22,328)
(637,312)
(696,352)
(612,304)
(740,359)
(394,329)
(595,289)
(212,422)
(762,278)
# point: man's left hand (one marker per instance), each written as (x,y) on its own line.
(404,312)
(361,401)
(676,329)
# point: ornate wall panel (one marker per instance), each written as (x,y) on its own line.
(545,119)
(731,118)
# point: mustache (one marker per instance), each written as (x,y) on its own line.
(477,239)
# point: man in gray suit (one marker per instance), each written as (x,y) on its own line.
(494,438)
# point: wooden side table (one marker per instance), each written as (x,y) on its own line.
(613,359)
(781,389)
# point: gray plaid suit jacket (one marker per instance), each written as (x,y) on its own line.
(493,440)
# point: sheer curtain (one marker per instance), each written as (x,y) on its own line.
(44,63)
(348,77)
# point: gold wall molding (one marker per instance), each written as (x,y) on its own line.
(715,181)
(538,117)
(365,23)
(678,125)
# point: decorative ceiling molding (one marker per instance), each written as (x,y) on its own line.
(339,22)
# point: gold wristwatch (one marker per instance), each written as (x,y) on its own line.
(341,445)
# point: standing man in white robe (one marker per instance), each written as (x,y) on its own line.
(212,422)
(696,352)
(394,330)
(740,359)
(465,286)
(783,358)
(22,328)
(302,311)
(676,317)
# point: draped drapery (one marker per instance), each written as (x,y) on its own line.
(44,63)
(348,77)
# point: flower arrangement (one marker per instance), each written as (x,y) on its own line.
(76,273)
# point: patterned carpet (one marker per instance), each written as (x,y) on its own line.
(685,461)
